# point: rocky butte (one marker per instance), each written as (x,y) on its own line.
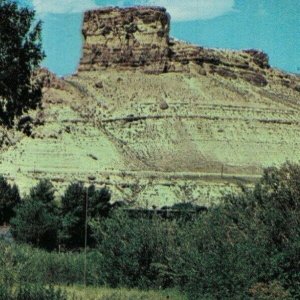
(156,120)
(138,39)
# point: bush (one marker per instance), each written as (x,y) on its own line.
(251,238)
(136,252)
(217,260)
(23,264)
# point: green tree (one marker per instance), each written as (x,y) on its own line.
(73,209)
(20,54)
(9,198)
(248,242)
(36,221)
(44,192)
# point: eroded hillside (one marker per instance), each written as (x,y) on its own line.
(157,120)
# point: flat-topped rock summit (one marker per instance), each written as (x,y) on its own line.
(138,38)
(126,38)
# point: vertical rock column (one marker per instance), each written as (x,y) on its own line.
(133,38)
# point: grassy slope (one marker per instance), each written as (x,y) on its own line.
(215,133)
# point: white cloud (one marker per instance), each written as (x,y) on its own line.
(180,10)
(62,6)
(189,10)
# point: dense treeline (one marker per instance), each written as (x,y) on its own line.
(40,220)
(247,247)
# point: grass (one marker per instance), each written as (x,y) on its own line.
(103,293)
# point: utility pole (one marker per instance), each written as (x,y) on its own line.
(85,235)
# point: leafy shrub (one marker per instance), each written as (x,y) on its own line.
(23,264)
(251,238)
(136,252)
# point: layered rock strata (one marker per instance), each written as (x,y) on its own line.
(138,38)
(126,38)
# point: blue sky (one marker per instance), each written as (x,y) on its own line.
(270,25)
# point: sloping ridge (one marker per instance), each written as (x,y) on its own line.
(157,120)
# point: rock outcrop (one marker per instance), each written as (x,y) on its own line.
(138,38)
(126,38)
(49,80)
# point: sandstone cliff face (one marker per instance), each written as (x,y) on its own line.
(128,38)
(138,39)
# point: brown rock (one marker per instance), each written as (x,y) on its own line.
(126,38)
(225,72)
(99,85)
(255,79)
(137,38)
(259,58)
(49,80)
(202,72)
(163,105)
